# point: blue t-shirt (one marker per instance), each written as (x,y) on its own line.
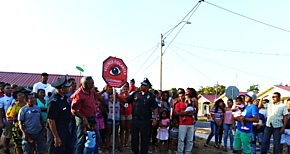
(91,139)
(31,119)
(250,112)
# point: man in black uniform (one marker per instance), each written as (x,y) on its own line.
(58,118)
(144,102)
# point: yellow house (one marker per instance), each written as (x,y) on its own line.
(283,90)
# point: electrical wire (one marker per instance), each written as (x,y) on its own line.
(145,61)
(148,66)
(192,66)
(143,53)
(225,50)
(172,29)
(248,17)
(230,67)
(198,4)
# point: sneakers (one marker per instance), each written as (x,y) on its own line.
(245,128)
(125,146)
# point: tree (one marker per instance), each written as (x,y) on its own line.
(216,89)
(254,88)
(281,84)
(174,93)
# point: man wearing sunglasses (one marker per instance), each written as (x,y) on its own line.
(275,125)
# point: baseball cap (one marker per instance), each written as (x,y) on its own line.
(251,94)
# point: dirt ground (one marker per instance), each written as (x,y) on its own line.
(199,142)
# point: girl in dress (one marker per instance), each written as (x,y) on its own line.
(163,131)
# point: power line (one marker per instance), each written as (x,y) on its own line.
(191,65)
(230,67)
(247,17)
(225,50)
(143,53)
(145,60)
(171,30)
(148,66)
(196,7)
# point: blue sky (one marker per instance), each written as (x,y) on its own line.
(56,36)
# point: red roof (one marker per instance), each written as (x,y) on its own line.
(29,79)
(287,88)
(211,98)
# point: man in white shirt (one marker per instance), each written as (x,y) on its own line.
(5,102)
(41,85)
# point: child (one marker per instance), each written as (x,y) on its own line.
(100,122)
(173,135)
(132,87)
(190,107)
(237,110)
(91,138)
(163,132)
(110,123)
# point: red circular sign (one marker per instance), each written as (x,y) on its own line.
(114,72)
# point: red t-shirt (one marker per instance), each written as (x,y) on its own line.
(128,110)
(133,87)
(84,102)
(181,108)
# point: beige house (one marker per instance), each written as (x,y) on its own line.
(204,103)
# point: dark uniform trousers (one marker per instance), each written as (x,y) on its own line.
(65,137)
(142,126)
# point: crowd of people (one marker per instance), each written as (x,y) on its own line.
(60,118)
(251,120)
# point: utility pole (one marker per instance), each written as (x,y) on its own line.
(161,45)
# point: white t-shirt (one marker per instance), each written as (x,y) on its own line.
(264,112)
(5,102)
(49,89)
(40,85)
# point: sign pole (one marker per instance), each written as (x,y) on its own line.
(114,102)
(232,93)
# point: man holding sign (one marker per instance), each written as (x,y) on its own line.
(144,101)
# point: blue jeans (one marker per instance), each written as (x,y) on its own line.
(81,137)
(89,150)
(215,129)
(73,132)
(276,136)
(228,128)
(254,137)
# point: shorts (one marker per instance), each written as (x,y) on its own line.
(38,139)
(16,135)
(285,138)
(110,122)
(242,139)
(173,133)
(7,131)
(126,117)
(100,123)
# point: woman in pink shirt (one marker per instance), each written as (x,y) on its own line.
(228,125)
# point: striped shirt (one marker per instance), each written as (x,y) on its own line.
(275,114)
(217,115)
